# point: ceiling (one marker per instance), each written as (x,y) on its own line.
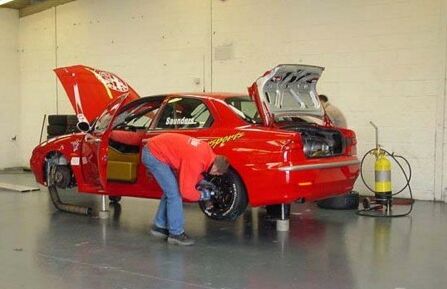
(28,7)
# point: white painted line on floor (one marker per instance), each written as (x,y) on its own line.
(18,188)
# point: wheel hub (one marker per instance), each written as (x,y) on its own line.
(62,177)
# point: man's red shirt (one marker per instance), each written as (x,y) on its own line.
(189,156)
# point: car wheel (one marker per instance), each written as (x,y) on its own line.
(114,199)
(348,201)
(61,180)
(232,200)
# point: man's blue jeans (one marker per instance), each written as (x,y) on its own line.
(170,211)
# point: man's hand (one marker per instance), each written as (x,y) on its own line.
(208,190)
(206,195)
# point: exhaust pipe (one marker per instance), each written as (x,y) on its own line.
(69,208)
(56,200)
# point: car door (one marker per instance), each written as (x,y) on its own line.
(95,145)
(177,114)
(128,131)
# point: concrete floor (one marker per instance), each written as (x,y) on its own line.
(43,248)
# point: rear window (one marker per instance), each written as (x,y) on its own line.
(245,108)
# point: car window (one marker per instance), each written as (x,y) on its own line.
(103,122)
(138,116)
(184,113)
(245,108)
(106,117)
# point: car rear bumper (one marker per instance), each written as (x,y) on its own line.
(309,181)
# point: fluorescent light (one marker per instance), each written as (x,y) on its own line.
(5,1)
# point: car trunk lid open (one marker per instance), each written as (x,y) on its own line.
(287,90)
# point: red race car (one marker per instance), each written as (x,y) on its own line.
(281,145)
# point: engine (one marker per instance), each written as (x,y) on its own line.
(320,142)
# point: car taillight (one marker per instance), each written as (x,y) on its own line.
(351,146)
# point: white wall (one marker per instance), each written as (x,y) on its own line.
(9,84)
(384,59)
(37,81)
(384,62)
(157,46)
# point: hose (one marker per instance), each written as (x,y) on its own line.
(407,184)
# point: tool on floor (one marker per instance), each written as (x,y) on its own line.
(381,204)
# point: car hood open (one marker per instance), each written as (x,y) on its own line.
(287,90)
(91,90)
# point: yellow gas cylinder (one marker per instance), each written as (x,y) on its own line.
(382,171)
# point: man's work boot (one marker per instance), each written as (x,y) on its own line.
(181,239)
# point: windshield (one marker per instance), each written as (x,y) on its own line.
(245,108)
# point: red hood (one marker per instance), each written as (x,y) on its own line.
(91,90)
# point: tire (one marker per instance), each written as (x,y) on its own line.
(233,200)
(114,199)
(50,136)
(72,120)
(57,119)
(56,129)
(348,201)
(71,129)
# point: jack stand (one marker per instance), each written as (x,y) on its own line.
(282,225)
(103,213)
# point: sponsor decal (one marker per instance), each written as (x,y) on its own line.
(74,161)
(194,142)
(110,81)
(183,120)
(75,144)
(221,141)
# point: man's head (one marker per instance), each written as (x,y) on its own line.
(323,98)
(220,165)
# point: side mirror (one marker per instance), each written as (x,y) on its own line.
(83,126)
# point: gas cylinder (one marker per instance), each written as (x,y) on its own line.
(382,171)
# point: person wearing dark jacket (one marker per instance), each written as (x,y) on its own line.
(190,158)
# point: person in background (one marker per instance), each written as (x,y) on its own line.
(336,116)
(190,158)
